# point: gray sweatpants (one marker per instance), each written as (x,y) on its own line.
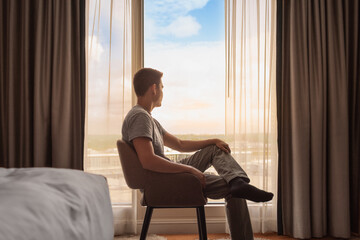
(217,187)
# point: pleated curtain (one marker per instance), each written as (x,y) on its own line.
(318,115)
(42,83)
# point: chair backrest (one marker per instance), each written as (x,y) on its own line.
(134,173)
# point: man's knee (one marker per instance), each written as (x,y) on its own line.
(211,149)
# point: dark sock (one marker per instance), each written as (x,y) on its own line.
(241,189)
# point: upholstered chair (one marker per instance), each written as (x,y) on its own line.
(162,190)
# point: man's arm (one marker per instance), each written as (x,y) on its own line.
(189,146)
(150,161)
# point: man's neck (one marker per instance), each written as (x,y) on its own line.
(148,106)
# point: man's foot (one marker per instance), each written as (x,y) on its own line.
(241,189)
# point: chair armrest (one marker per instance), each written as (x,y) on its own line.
(173,190)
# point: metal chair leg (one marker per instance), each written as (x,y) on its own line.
(201,223)
(146,223)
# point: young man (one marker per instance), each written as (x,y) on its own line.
(148,137)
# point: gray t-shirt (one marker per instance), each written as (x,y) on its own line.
(139,123)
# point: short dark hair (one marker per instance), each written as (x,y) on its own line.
(144,78)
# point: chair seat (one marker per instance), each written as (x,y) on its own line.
(173,190)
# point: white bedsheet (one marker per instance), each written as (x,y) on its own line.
(50,203)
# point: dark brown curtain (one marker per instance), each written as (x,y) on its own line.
(42,83)
(319,117)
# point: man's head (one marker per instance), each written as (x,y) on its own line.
(148,81)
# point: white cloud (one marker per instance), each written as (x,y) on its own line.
(194,86)
(164,17)
(183,26)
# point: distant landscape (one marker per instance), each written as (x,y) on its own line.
(102,158)
(105,142)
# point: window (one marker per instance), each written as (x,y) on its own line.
(185,40)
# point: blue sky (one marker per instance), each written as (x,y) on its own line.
(205,20)
(212,20)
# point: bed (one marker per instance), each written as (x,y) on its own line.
(52,203)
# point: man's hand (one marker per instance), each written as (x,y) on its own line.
(200,176)
(223,146)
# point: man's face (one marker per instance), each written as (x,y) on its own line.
(159,94)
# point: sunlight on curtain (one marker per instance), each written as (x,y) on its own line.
(109,99)
(251,99)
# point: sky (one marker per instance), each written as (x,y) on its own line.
(184,21)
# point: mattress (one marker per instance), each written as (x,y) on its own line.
(51,203)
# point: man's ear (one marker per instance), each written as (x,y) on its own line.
(154,89)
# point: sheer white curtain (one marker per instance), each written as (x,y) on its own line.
(251,98)
(109,98)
